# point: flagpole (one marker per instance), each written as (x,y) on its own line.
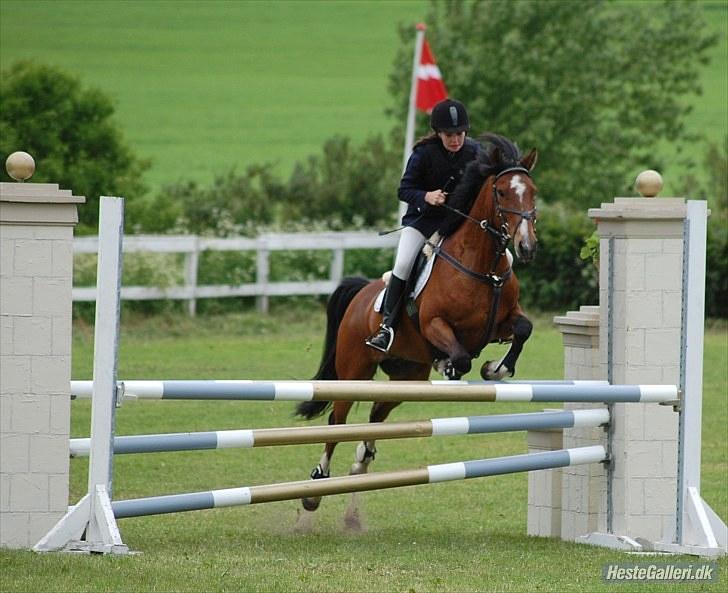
(409,138)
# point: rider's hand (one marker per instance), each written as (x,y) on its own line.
(435,198)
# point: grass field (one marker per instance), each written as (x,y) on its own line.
(458,537)
(201,87)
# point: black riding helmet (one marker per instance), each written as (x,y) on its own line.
(449,116)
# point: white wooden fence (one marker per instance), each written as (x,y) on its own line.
(191,246)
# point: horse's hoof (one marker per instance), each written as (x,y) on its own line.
(352,521)
(311,504)
(304,522)
(491,371)
(352,516)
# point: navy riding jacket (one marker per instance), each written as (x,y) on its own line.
(431,166)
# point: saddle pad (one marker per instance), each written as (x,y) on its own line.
(419,284)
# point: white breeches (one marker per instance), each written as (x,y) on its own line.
(410,243)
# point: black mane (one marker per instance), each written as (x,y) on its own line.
(497,153)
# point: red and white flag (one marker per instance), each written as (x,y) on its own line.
(426,90)
(430,86)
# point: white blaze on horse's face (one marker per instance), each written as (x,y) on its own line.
(520,199)
(519,186)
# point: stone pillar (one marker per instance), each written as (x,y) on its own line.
(584,494)
(580,334)
(36,274)
(640,279)
(544,487)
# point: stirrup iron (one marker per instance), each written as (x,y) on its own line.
(376,340)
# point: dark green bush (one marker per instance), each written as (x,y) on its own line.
(71,132)
(558,279)
(716,270)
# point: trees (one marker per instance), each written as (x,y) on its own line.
(595,86)
(70,132)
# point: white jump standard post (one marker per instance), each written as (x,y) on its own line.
(698,529)
(90,526)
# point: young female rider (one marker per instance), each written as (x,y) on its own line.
(436,165)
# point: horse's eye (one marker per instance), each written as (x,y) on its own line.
(501,193)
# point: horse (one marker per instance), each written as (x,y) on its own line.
(471,298)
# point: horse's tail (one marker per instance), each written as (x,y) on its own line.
(335,309)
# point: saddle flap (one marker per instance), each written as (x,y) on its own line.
(421,271)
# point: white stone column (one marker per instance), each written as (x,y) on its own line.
(36,275)
(584,487)
(544,487)
(564,502)
(640,279)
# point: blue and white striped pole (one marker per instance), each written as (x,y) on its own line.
(472,391)
(224,439)
(447,472)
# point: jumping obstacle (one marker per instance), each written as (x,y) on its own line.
(91,524)
(431,474)
(267,437)
(389,391)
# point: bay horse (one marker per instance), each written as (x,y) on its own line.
(470,299)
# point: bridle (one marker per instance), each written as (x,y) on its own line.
(500,234)
(523,214)
(501,237)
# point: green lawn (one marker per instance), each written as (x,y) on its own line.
(201,87)
(457,537)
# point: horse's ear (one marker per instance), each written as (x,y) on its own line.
(529,161)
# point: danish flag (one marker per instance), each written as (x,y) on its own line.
(430,86)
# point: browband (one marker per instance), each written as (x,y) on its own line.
(510,169)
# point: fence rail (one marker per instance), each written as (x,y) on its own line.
(192,246)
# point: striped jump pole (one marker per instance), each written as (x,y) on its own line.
(390,391)
(244,439)
(194,501)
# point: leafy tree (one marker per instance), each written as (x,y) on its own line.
(713,187)
(595,86)
(235,204)
(349,186)
(70,132)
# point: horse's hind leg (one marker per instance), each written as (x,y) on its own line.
(322,470)
(398,370)
(366,449)
(495,370)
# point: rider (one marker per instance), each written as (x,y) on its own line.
(436,165)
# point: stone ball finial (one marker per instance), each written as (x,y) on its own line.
(20,165)
(648,183)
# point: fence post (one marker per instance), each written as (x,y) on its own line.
(337,266)
(191,266)
(262,269)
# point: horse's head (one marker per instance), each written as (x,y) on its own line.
(514,199)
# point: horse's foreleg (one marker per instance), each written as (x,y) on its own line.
(495,370)
(439,333)
(322,470)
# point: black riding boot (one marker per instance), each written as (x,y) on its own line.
(393,298)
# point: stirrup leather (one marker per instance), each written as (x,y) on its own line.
(382,340)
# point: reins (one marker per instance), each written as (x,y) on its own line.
(501,238)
